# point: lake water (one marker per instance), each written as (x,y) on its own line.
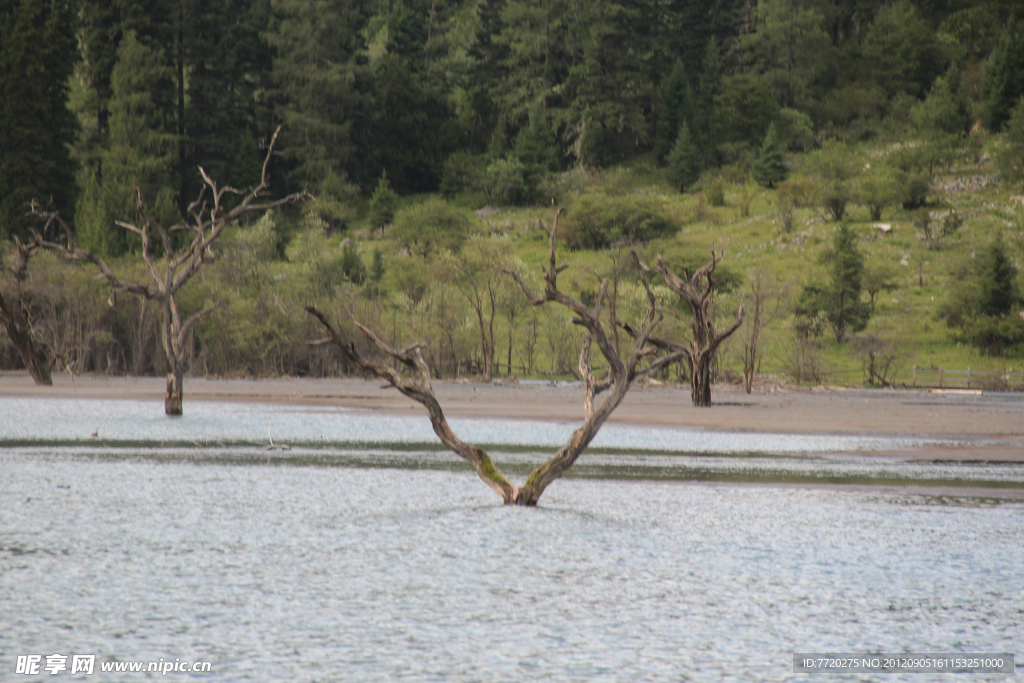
(365,553)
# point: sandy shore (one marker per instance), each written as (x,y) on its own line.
(993,423)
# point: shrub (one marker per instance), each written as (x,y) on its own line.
(784,212)
(352,266)
(834,170)
(462,172)
(598,221)
(716,192)
(431,226)
(1010,156)
(505,182)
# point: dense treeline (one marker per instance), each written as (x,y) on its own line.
(506,102)
(101,95)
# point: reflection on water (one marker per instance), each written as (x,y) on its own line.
(350,574)
(367,553)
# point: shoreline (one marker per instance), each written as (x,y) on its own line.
(991,427)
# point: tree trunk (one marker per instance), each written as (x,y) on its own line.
(33,360)
(700,383)
(749,363)
(487,362)
(175,380)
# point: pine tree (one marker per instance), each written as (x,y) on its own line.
(684,163)
(383,204)
(537,147)
(846,266)
(37,57)
(103,24)
(532,48)
(999,293)
(1003,82)
(140,152)
(313,84)
(790,48)
(675,105)
(769,168)
(1010,157)
(608,85)
(226,63)
(840,298)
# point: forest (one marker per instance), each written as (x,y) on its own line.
(859,164)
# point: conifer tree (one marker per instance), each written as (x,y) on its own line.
(313,84)
(225,65)
(769,168)
(37,57)
(537,148)
(840,298)
(684,163)
(999,293)
(1010,157)
(140,152)
(383,204)
(1003,82)
(675,105)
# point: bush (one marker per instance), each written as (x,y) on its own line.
(333,203)
(834,170)
(430,227)
(877,189)
(598,221)
(716,192)
(1010,156)
(462,172)
(352,266)
(505,182)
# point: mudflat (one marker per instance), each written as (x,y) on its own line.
(990,426)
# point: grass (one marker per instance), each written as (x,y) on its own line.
(908,314)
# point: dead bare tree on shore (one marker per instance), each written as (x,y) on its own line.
(207,217)
(15,315)
(766,300)
(697,291)
(620,374)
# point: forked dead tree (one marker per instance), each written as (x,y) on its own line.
(697,291)
(14,314)
(207,218)
(620,374)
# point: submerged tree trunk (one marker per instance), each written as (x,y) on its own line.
(700,382)
(175,383)
(621,374)
(35,363)
(14,315)
(698,293)
(207,218)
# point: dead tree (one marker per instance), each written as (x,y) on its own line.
(206,218)
(697,291)
(620,374)
(15,315)
(766,301)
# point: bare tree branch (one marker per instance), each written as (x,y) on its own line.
(420,391)
(16,317)
(620,375)
(698,292)
(206,219)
